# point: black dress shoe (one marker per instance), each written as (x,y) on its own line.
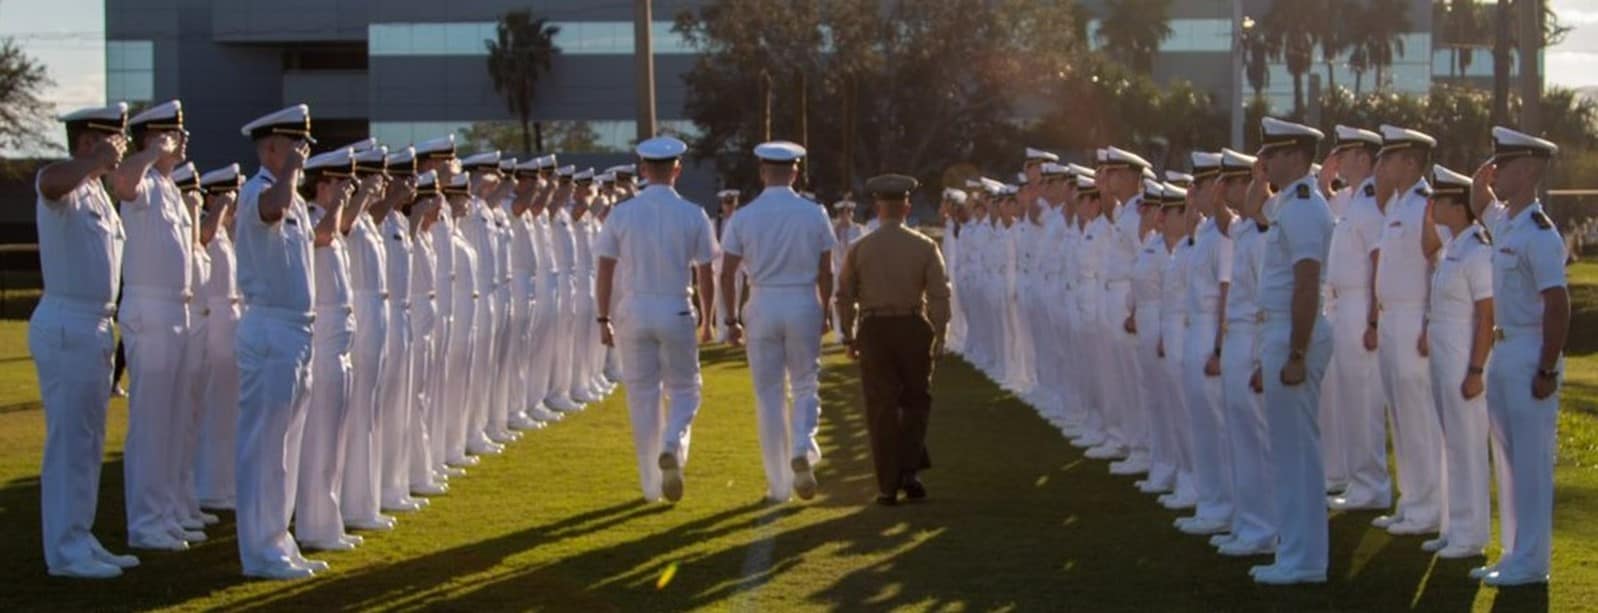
(914,490)
(888,500)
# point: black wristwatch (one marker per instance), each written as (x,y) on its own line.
(1474,370)
(602,320)
(1548,373)
(1217,352)
(1295,355)
(1371,323)
(732,322)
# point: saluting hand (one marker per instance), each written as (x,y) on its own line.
(295,160)
(107,154)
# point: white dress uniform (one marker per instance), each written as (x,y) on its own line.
(1091,253)
(477,228)
(1401,282)
(1254,505)
(318,519)
(1300,230)
(192,382)
(1463,276)
(154,319)
(361,492)
(1355,424)
(661,236)
(524,265)
(1210,268)
(781,238)
(505,336)
(949,244)
(564,251)
(427,451)
(585,331)
(1529,259)
(274,351)
(399,417)
(1155,454)
(440,385)
(69,336)
(1173,337)
(546,319)
(464,337)
(1054,364)
(1075,405)
(213,469)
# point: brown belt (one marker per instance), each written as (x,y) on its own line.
(890,312)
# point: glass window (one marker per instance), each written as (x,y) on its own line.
(129,70)
(467,38)
(1188,35)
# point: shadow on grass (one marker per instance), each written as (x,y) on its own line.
(1017,519)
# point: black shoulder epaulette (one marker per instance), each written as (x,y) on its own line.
(1421,191)
(1370,190)
(1484,237)
(1190,241)
(1542,220)
(1303,191)
(1263,227)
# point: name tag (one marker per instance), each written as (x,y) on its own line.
(1395,224)
(291,221)
(1506,251)
(399,237)
(1451,259)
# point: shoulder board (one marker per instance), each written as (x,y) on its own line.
(1370,190)
(1303,191)
(398,236)
(1421,191)
(1263,227)
(1190,241)
(1483,237)
(1542,220)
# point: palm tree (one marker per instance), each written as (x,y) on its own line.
(1385,24)
(1335,35)
(1257,54)
(1462,27)
(1132,30)
(523,48)
(1292,31)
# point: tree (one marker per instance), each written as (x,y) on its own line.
(1257,52)
(1461,26)
(1385,23)
(1293,28)
(1335,36)
(25,117)
(523,48)
(918,86)
(1132,30)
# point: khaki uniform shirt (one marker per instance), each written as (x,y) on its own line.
(896,269)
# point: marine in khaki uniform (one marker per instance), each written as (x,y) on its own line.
(894,281)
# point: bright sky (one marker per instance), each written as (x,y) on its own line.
(69,37)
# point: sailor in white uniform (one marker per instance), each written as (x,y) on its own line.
(421,204)
(213,468)
(786,243)
(1532,310)
(452,350)
(195,365)
(524,263)
(1209,279)
(1459,330)
(729,201)
(1120,178)
(547,306)
(1143,322)
(1354,421)
(1401,284)
(657,242)
(483,435)
(274,344)
(1295,348)
(361,489)
(467,294)
(953,212)
(154,319)
(846,231)
(318,518)
(70,338)
(585,332)
(563,249)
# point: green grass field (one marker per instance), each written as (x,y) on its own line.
(1018,520)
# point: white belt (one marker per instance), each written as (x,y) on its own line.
(75,306)
(161,294)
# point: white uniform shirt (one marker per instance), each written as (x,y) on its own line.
(1248,250)
(1401,272)
(424,266)
(1124,243)
(80,244)
(1301,230)
(1464,275)
(478,228)
(442,237)
(780,237)
(524,252)
(661,235)
(544,245)
(1529,258)
(160,246)
(274,258)
(222,285)
(1148,273)
(1357,234)
(1096,246)
(368,266)
(397,254)
(1210,265)
(563,243)
(333,282)
(467,278)
(1173,284)
(583,232)
(505,242)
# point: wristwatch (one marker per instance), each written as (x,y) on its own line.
(602,320)
(1474,370)
(1548,373)
(1295,355)
(732,322)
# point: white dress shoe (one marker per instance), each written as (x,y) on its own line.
(191,524)
(1200,526)
(1383,521)
(804,479)
(87,569)
(1455,552)
(463,461)
(316,566)
(381,523)
(671,485)
(1434,545)
(564,405)
(281,572)
(1481,572)
(104,555)
(481,448)
(160,542)
(194,536)
(1149,487)
(1222,539)
(1106,451)
(1237,549)
(407,505)
(543,414)
(1345,503)
(1254,571)
(209,519)
(1129,466)
(338,544)
(1177,502)
(1276,575)
(1500,578)
(430,489)
(1411,528)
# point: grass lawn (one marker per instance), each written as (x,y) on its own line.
(1018,520)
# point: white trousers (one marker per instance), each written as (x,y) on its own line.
(1122,391)
(1417,434)
(1524,434)
(585,335)
(565,330)
(1467,505)
(458,360)
(542,347)
(191,414)
(784,348)
(1254,504)
(72,348)
(1212,461)
(318,517)
(1159,445)
(1291,417)
(519,351)
(154,333)
(482,376)
(502,368)
(1062,347)
(360,494)
(1361,419)
(1088,333)
(213,470)
(427,425)
(274,392)
(659,353)
(1173,334)
(394,406)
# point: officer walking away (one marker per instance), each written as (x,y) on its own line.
(894,279)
